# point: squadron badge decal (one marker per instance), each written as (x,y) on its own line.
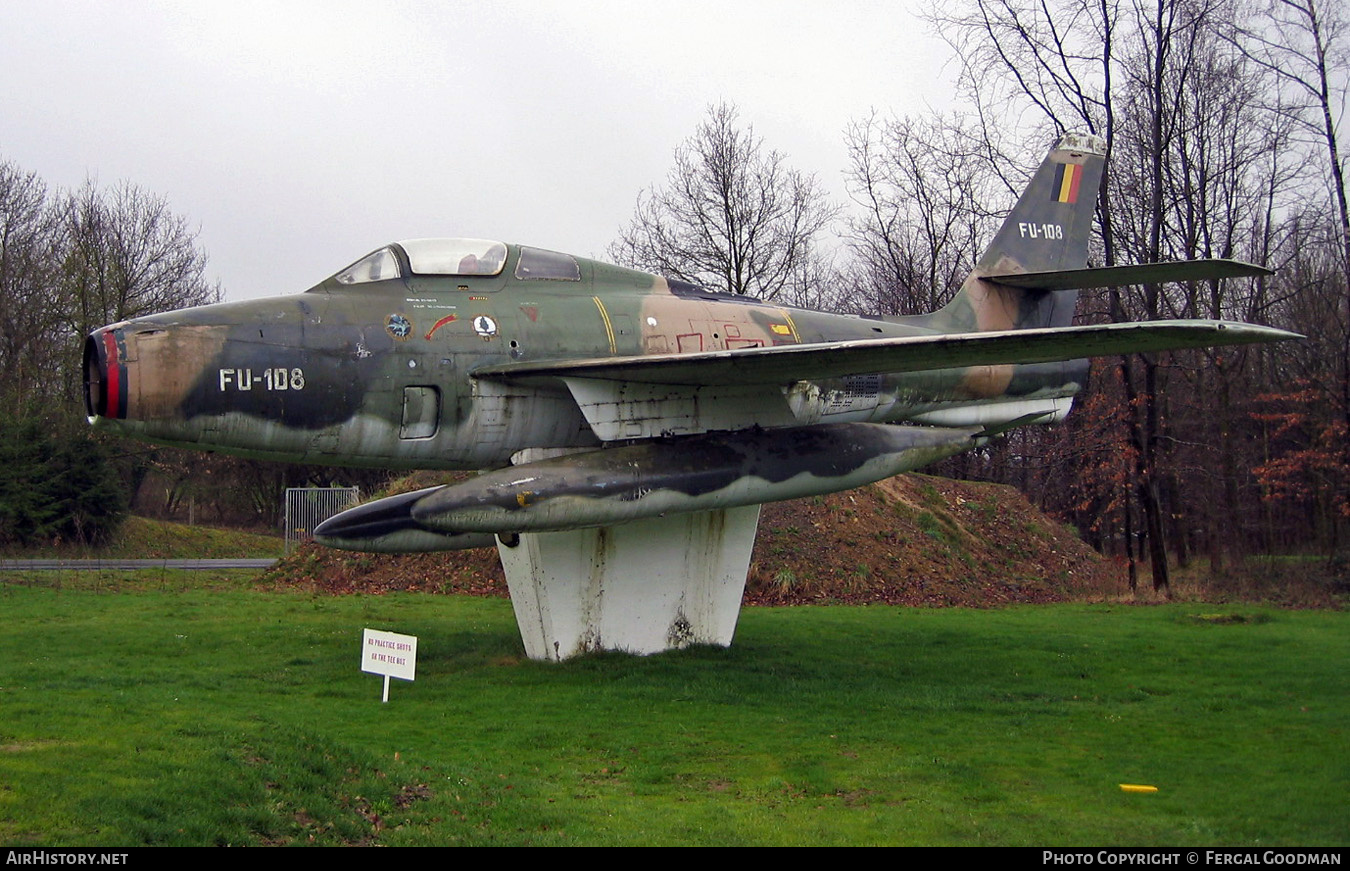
(485,326)
(398,326)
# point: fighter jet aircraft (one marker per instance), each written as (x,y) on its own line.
(630,425)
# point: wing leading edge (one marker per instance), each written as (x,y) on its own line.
(784,364)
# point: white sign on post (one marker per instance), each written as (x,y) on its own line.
(389,654)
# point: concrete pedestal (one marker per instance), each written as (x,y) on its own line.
(641,587)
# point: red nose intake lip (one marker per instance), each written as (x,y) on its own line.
(105,375)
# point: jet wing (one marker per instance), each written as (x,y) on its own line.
(1124,276)
(784,364)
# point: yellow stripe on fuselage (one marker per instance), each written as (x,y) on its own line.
(609,327)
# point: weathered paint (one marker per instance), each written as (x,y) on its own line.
(321,377)
(695,473)
(386,526)
(619,485)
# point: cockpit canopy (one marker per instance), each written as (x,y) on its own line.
(463,257)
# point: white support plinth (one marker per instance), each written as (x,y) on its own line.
(641,587)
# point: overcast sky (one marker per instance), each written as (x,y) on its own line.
(299,135)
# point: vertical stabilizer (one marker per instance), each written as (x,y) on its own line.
(1048,230)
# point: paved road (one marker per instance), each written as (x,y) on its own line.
(28,565)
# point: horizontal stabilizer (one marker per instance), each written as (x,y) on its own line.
(1123,276)
(784,364)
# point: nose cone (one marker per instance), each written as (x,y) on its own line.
(143,370)
(270,378)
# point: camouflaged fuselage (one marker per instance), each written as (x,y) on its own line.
(382,373)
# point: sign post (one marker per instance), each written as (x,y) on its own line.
(389,654)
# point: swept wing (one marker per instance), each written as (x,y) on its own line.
(788,363)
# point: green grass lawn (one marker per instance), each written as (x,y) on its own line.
(194,710)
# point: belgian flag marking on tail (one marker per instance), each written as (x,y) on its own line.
(1067,178)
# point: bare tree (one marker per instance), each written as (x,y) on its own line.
(129,254)
(31,329)
(124,253)
(730,216)
(1202,164)
(928,197)
(68,264)
(1303,45)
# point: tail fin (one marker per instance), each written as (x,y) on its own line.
(1047,231)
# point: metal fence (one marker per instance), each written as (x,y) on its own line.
(307,507)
